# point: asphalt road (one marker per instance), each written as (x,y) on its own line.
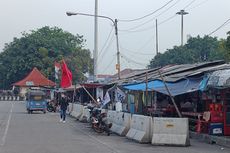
(43,133)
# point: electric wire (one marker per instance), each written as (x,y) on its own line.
(189,4)
(221,26)
(147,14)
(102,49)
(198,5)
(133,61)
(109,64)
(137,26)
(107,48)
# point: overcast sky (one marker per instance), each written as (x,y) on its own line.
(136,38)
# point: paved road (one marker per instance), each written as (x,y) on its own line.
(42,133)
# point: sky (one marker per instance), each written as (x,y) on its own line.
(136,25)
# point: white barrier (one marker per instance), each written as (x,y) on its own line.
(77,111)
(121,123)
(111,116)
(170,131)
(6,98)
(85,115)
(140,128)
(18,98)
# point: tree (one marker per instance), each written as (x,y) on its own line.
(41,48)
(196,50)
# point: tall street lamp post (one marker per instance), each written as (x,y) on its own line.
(116,34)
(182,13)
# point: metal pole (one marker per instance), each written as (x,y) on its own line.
(118,52)
(182,29)
(182,13)
(95,52)
(156,38)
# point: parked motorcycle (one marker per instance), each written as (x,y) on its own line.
(51,106)
(99,121)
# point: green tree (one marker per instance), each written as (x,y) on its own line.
(196,50)
(41,48)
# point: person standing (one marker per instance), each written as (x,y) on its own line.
(63,102)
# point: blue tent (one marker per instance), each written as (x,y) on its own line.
(176,88)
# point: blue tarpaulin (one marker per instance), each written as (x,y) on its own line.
(176,88)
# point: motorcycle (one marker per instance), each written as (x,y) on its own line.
(99,121)
(51,106)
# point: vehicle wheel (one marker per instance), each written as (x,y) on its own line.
(98,129)
(49,109)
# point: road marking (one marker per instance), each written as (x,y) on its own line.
(7,125)
(94,139)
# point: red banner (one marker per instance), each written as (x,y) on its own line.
(66,80)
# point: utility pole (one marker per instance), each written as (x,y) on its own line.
(95,52)
(118,66)
(182,13)
(156,39)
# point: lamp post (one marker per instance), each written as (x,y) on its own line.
(116,34)
(182,13)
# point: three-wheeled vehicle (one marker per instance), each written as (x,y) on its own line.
(35,101)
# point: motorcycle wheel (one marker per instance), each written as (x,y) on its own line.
(49,109)
(98,129)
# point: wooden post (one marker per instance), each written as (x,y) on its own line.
(171,97)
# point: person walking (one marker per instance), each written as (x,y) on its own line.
(63,102)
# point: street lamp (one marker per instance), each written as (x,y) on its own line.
(182,13)
(116,34)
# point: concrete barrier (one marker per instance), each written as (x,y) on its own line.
(140,128)
(77,111)
(18,98)
(121,123)
(170,131)
(111,116)
(1,98)
(6,98)
(85,115)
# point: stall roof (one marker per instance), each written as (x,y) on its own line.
(173,73)
(92,85)
(175,88)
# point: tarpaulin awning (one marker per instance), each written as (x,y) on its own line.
(220,78)
(176,88)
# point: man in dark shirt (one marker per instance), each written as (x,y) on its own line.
(63,107)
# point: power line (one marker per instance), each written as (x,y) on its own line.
(221,26)
(151,27)
(133,61)
(137,26)
(106,41)
(107,48)
(147,14)
(136,53)
(189,4)
(197,5)
(109,64)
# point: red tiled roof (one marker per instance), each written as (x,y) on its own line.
(35,78)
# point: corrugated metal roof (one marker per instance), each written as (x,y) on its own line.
(174,73)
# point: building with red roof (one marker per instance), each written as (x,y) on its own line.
(34,79)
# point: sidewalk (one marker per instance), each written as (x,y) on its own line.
(219,140)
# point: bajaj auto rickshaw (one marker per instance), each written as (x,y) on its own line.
(36,101)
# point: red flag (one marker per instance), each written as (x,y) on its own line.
(66,80)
